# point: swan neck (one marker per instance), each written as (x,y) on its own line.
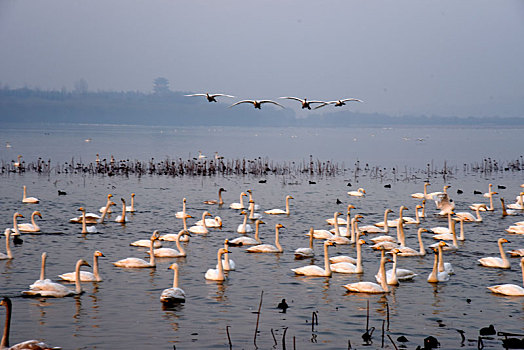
(401,237)
(42,268)
(503,253)
(353,224)
(386,226)
(327,266)
(311,240)
(8,246)
(95,268)
(359,257)
(15,224)
(132,203)
(257,227)
(175,278)
(462,238)
(433,275)
(454,234)
(479,218)
(33,219)
(5,338)
(84,226)
(25,192)
(152,261)
(277,242)
(185,222)
(78,285)
(421,243)
(178,245)
(104,213)
(220,267)
(337,231)
(382,273)
(287,205)
(220,200)
(522,268)
(440,260)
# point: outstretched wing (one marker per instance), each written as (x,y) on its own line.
(351,99)
(293,98)
(325,104)
(243,101)
(215,95)
(196,95)
(273,102)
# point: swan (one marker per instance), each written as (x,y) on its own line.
(174,294)
(394,275)
(28,344)
(416,220)
(424,195)
(248,240)
(422,213)
(510,289)
(90,218)
(507,212)
(57,290)
(434,195)
(42,280)
(227,264)
(376,228)
(345,258)
(252,214)
(256,206)
(102,209)
(26,199)
(516,229)
(218,273)
(86,276)
(146,242)
(268,248)
(104,213)
(501,262)
(314,270)
(490,192)
(338,103)
(203,228)
(32,227)
(392,223)
(257,103)
(444,203)
(122,218)
(131,209)
(358,193)
(85,228)
(516,252)
(519,204)
(389,244)
(337,238)
(437,276)
(244,227)
(239,205)
(348,267)
(211,97)
(447,247)
(345,231)
(214,222)
(220,201)
(9,254)
(322,234)
(469,217)
(15,230)
(443,266)
(518,223)
(181,214)
(170,252)
(372,287)
(305,103)
(406,251)
(303,253)
(443,230)
(280,211)
(140,263)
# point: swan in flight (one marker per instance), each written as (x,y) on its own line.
(181,214)
(28,344)
(9,254)
(244,227)
(104,208)
(220,201)
(239,205)
(140,263)
(437,276)
(170,252)
(218,273)
(304,253)
(257,103)
(501,262)
(174,294)
(349,267)
(239,241)
(200,228)
(280,211)
(314,270)
(268,248)
(338,103)
(372,287)
(227,264)
(510,289)
(305,103)
(358,193)
(86,276)
(211,97)
(57,290)
(444,203)
(26,199)
(30,227)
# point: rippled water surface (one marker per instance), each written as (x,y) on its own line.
(124,311)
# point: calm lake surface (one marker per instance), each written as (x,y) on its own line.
(124,311)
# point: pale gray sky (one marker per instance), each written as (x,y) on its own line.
(443,57)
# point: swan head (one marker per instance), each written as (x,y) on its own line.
(361,241)
(155,235)
(362,190)
(6,302)
(206,214)
(99,253)
(289,197)
(109,196)
(37,213)
(243,194)
(358,216)
(418,206)
(249,191)
(279,226)
(112,203)
(442,244)
(350,206)
(420,230)
(403,208)
(222,190)
(337,214)
(173,266)
(258,222)
(243,212)
(223,251)
(503,240)
(82,262)
(329,242)
(132,194)
(17,215)
(82,209)
(123,200)
(389,210)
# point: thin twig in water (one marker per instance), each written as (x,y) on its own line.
(383,322)
(258,317)
(387,315)
(228,337)
(314,320)
(284,339)
(274,339)
(367,317)
(392,342)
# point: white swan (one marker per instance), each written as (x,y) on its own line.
(358,193)
(252,214)
(280,211)
(322,234)
(394,275)
(57,290)
(434,195)
(346,231)
(220,201)
(105,212)
(181,214)
(305,103)
(131,209)
(85,228)
(507,212)
(444,203)
(174,294)
(510,289)
(314,270)
(9,254)
(394,222)
(501,262)
(244,227)
(337,238)
(348,267)
(424,195)
(406,251)
(104,208)
(200,229)
(90,218)
(443,230)
(490,191)
(437,276)
(211,97)
(256,206)
(516,252)
(218,273)
(140,263)
(408,220)
(86,276)
(469,217)
(304,253)
(26,199)
(515,229)
(122,217)
(146,242)
(371,287)
(376,228)
(257,103)
(443,266)
(268,248)
(170,252)
(15,230)
(422,212)
(239,241)
(215,222)
(28,344)
(519,204)
(42,280)
(338,103)
(227,264)
(240,204)
(32,227)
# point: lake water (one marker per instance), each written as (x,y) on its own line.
(124,311)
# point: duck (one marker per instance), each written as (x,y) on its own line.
(304,253)
(257,103)
(85,228)
(140,263)
(211,97)
(244,227)
(9,253)
(86,276)
(181,214)
(31,200)
(372,287)
(122,218)
(200,229)
(280,211)
(510,289)
(305,103)
(501,262)
(218,273)
(349,267)
(227,264)
(239,241)
(437,276)
(314,270)
(104,208)
(240,204)
(30,227)
(220,201)
(173,295)
(358,193)
(338,103)
(170,252)
(268,248)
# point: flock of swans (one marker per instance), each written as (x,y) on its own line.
(353,234)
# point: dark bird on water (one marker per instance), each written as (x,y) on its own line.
(211,97)
(459,191)
(488,330)
(387,186)
(17,240)
(368,335)
(431,342)
(339,201)
(283,306)
(262,181)
(61,193)
(312,182)
(477,192)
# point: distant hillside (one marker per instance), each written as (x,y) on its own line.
(172,108)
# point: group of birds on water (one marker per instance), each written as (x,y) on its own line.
(344,232)
(258,103)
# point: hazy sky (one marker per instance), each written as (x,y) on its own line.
(444,57)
